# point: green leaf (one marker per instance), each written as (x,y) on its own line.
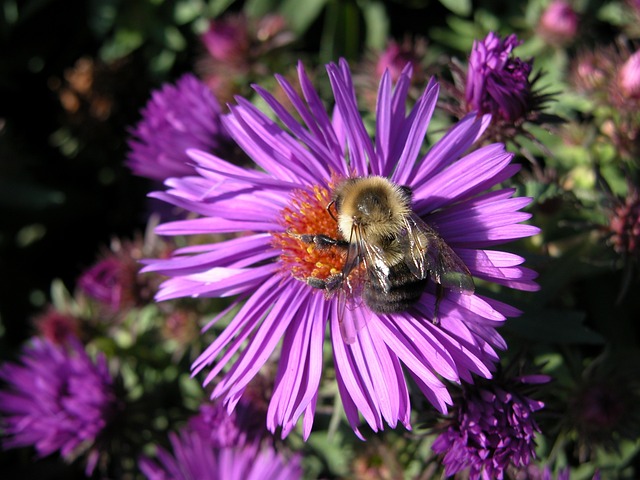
(300,15)
(123,42)
(341,34)
(376,23)
(187,11)
(459,7)
(613,13)
(216,7)
(61,298)
(174,39)
(260,8)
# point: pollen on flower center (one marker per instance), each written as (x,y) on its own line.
(307,214)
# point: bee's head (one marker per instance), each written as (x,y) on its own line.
(372,204)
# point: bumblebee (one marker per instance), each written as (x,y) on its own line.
(399,251)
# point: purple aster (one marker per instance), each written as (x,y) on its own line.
(217,445)
(492,430)
(57,400)
(177,117)
(497,82)
(194,458)
(265,268)
(244,425)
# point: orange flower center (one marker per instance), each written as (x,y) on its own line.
(308,215)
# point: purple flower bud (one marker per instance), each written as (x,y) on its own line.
(497,82)
(493,430)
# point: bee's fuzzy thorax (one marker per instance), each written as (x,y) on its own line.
(373,204)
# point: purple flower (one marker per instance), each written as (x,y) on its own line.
(180,116)
(629,77)
(194,458)
(114,280)
(498,83)
(104,282)
(215,444)
(227,40)
(266,268)
(397,55)
(558,23)
(492,429)
(223,429)
(57,400)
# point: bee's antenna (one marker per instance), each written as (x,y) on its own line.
(329,210)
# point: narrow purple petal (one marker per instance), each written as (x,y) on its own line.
(222,254)
(219,281)
(461,178)
(214,225)
(360,146)
(264,341)
(300,366)
(418,123)
(268,145)
(383,126)
(450,147)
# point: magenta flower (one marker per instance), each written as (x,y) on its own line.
(266,269)
(216,445)
(497,82)
(104,282)
(194,458)
(397,55)
(177,117)
(57,400)
(558,23)
(227,40)
(492,430)
(221,429)
(629,77)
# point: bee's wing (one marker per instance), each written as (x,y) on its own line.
(416,240)
(425,252)
(349,293)
(376,265)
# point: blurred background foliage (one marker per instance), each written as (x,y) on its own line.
(74,75)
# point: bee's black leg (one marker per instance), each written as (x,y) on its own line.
(329,284)
(439,297)
(317,283)
(320,241)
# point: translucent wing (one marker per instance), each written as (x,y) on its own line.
(425,252)
(376,265)
(349,293)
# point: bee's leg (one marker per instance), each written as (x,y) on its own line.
(316,283)
(329,284)
(439,297)
(320,241)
